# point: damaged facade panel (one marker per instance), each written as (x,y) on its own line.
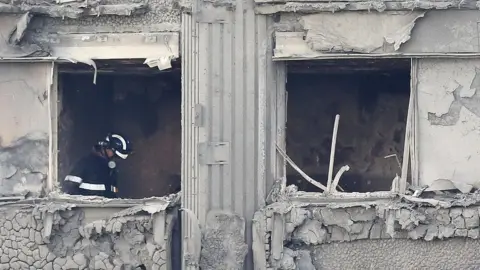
(445,32)
(83,47)
(306,235)
(12,31)
(25,122)
(449,115)
(61,235)
(347,32)
(102,30)
(402,34)
(158,16)
(268,7)
(75,8)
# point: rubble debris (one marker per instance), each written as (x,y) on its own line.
(322,7)
(297,224)
(162,62)
(116,242)
(446,184)
(74,9)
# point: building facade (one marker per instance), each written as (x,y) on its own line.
(237,101)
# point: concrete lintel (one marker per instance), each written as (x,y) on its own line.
(112,46)
(75,9)
(292,46)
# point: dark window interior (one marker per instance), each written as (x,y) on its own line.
(140,102)
(371,97)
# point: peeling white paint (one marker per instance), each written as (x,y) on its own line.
(449,125)
(358,32)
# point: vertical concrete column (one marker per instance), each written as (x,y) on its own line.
(229,116)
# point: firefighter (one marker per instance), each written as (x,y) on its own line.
(95,174)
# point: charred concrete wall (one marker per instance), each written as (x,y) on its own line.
(304,236)
(144,108)
(59,235)
(159,16)
(373,109)
(24,141)
(448,108)
(435,31)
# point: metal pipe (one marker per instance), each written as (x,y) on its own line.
(332,152)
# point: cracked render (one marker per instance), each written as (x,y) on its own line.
(56,235)
(299,235)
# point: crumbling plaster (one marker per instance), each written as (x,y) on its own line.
(160,16)
(322,6)
(299,233)
(357,32)
(448,116)
(51,28)
(317,35)
(24,141)
(61,234)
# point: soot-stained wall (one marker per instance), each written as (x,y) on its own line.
(305,236)
(160,16)
(144,108)
(373,110)
(24,127)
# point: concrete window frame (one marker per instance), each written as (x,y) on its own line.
(158,49)
(410,151)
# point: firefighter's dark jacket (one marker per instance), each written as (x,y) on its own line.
(91,176)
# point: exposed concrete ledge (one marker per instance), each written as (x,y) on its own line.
(111,46)
(292,46)
(69,232)
(301,222)
(272,6)
(74,8)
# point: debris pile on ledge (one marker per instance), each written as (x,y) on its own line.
(295,222)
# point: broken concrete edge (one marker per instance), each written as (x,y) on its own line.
(283,230)
(47,210)
(56,201)
(57,235)
(320,7)
(77,10)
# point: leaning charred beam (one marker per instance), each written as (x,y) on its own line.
(74,9)
(316,7)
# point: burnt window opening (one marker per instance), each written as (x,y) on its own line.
(372,99)
(130,98)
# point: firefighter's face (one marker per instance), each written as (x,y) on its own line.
(110,153)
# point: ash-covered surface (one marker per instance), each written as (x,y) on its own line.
(223,242)
(296,233)
(24,165)
(455,253)
(75,8)
(54,234)
(160,15)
